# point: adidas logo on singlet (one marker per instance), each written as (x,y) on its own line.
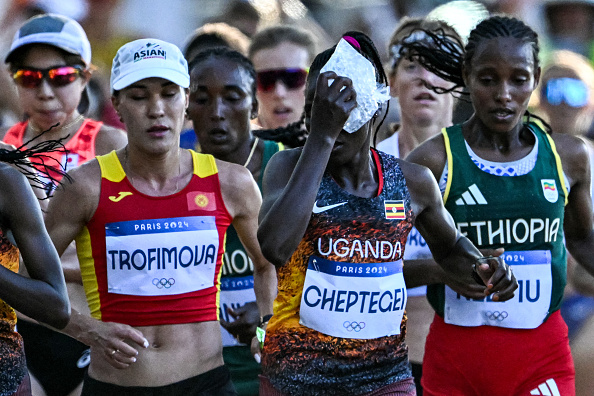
(472,196)
(547,388)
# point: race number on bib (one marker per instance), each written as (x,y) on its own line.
(526,310)
(235,292)
(351,300)
(162,256)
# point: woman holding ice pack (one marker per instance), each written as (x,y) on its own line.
(339,323)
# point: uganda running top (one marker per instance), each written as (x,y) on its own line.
(523,214)
(78,150)
(12,353)
(339,324)
(149,260)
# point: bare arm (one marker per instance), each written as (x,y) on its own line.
(579,236)
(68,212)
(42,296)
(292,180)
(242,199)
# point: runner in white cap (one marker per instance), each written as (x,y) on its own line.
(150,222)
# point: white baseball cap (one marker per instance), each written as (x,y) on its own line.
(146,58)
(52,29)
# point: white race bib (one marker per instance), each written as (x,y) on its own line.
(526,310)
(162,256)
(351,300)
(235,292)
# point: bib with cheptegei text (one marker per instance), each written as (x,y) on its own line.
(353,300)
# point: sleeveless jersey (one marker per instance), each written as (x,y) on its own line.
(524,215)
(349,240)
(77,151)
(416,246)
(12,353)
(237,279)
(149,260)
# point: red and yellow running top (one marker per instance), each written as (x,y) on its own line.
(149,260)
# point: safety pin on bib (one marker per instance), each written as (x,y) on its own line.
(315,264)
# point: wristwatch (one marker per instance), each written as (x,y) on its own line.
(264,319)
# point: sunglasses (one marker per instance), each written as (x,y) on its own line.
(60,76)
(572,91)
(292,78)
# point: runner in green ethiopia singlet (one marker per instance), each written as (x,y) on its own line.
(237,289)
(491,212)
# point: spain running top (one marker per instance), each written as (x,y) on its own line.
(149,260)
(338,326)
(78,150)
(12,352)
(523,214)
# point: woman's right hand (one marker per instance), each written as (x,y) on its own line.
(332,104)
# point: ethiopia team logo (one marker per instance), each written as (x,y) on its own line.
(394,210)
(549,189)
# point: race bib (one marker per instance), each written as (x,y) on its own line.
(526,310)
(235,292)
(350,300)
(162,256)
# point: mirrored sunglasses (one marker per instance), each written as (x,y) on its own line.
(570,91)
(292,78)
(60,76)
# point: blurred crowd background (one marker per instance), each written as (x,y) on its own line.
(110,23)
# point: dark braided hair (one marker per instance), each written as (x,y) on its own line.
(293,135)
(35,163)
(229,54)
(442,56)
(368,50)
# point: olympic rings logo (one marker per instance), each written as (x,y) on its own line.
(354,326)
(496,315)
(163,283)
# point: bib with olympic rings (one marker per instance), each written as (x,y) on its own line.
(526,310)
(353,300)
(161,257)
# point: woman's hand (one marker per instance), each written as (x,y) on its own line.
(333,102)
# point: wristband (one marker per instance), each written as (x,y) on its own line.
(260,335)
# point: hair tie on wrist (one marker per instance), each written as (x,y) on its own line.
(352,41)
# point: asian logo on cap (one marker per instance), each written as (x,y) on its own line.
(150,51)
(549,189)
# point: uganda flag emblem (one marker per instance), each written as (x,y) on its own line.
(395,210)
(198,200)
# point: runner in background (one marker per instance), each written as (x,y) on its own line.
(281,56)
(423,114)
(222,104)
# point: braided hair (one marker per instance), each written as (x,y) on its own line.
(439,54)
(231,55)
(293,135)
(367,49)
(33,161)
